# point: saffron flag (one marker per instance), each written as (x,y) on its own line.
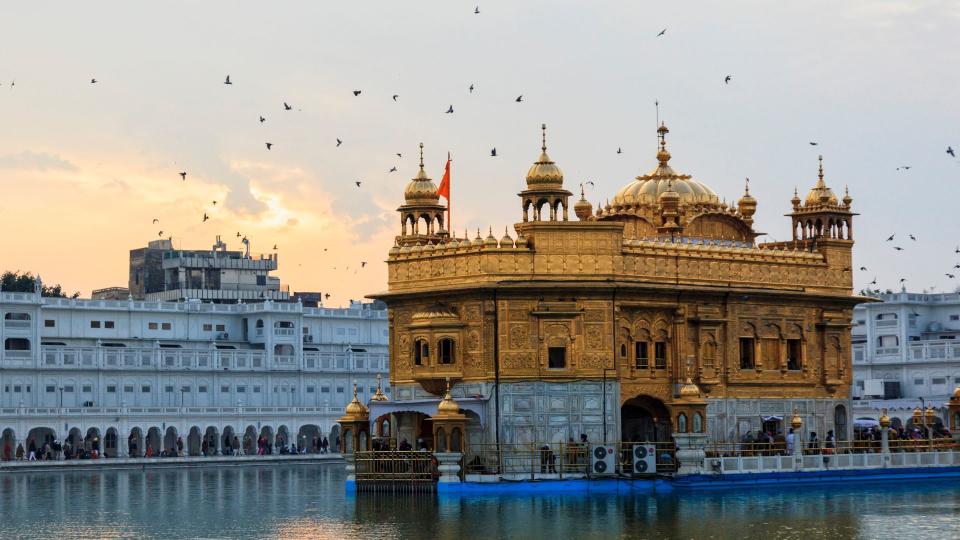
(444,189)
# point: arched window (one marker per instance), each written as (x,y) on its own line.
(283,350)
(623,351)
(446,351)
(456,444)
(421,352)
(681,423)
(440,445)
(17,316)
(282,324)
(259,323)
(697,423)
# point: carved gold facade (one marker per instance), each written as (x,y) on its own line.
(664,279)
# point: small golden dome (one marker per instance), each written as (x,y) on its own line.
(395,250)
(434,312)
(447,405)
(490,240)
(379,395)
(521,240)
(956,393)
(821,194)
(796,422)
(478,241)
(884,420)
(507,240)
(668,196)
(421,188)
(582,208)
(847,199)
(355,409)
(544,172)
(689,390)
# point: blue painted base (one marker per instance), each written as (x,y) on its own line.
(604,485)
(859,476)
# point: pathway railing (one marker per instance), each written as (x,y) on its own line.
(555,460)
(395,470)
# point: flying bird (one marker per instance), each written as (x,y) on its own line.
(727,79)
(951,152)
(339,142)
(662,32)
(863,268)
(183,175)
(262,119)
(874,282)
(155,220)
(160,233)
(238,234)
(519,98)
(898,248)
(956,266)
(214,203)
(493,152)
(902,279)
(274,247)
(205,217)
(891,237)
(904,167)
(327,296)
(450,110)
(227,81)
(399,155)
(912,237)
(356,92)
(476,10)
(357,183)
(269,145)
(287,107)
(363,264)
(392,169)
(619,151)
(395,96)
(813,143)
(471,88)
(93,81)
(951,276)
(957,250)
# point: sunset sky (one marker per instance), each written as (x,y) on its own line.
(85,168)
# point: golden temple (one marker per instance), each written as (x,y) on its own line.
(592,326)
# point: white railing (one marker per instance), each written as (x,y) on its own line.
(284,331)
(189,410)
(887,322)
(17,324)
(818,462)
(934,350)
(888,351)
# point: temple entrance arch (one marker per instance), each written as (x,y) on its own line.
(8,443)
(645,419)
(194,441)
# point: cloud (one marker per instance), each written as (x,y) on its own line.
(37,161)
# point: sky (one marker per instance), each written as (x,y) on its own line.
(85,168)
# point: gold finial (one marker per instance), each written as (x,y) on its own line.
(421,156)
(795,192)
(354,390)
(543,129)
(796,422)
(820,173)
(746,188)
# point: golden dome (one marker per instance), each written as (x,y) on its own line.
(796,422)
(379,395)
(491,240)
(884,420)
(507,240)
(821,194)
(355,409)
(421,188)
(582,208)
(447,405)
(689,390)
(647,189)
(544,173)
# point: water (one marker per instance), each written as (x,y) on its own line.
(308,501)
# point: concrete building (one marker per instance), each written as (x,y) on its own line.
(905,349)
(136,374)
(161,273)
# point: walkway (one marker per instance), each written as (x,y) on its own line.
(189,461)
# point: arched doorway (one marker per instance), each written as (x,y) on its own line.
(265,441)
(283,438)
(110,443)
(250,441)
(154,442)
(645,419)
(334,439)
(193,441)
(37,437)
(8,442)
(92,441)
(135,442)
(226,441)
(74,438)
(170,441)
(840,422)
(210,438)
(308,438)
(413,427)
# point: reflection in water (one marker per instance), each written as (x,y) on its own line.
(296,501)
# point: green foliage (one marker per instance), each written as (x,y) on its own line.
(25,282)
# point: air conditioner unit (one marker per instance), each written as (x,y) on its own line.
(308,338)
(223,335)
(644,459)
(603,460)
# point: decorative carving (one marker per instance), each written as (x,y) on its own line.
(518,336)
(594,336)
(518,360)
(473,340)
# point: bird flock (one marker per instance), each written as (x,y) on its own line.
(228,81)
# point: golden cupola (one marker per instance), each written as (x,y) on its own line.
(355,410)
(747,204)
(646,189)
(544,197)
(821,194)
(544,173)
(582,208)
(422,216)
(421,187)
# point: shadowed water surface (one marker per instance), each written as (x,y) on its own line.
(308,501)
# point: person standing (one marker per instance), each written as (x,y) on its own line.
(19,452)
(790,442)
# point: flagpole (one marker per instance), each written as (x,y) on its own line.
(449,202)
